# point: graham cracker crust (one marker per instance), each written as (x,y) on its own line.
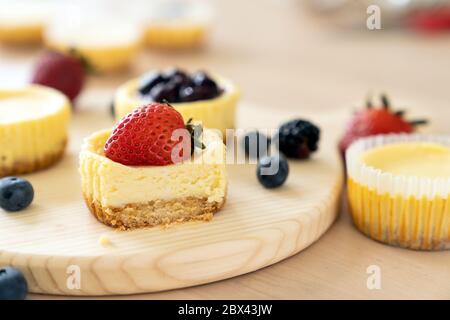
(31,165)
(154,213)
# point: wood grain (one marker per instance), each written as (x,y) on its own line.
(256,228)
(283,58)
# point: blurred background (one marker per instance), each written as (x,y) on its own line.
(300,55)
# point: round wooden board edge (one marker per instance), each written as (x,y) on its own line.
(114,275)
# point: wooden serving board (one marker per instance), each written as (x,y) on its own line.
(55,242)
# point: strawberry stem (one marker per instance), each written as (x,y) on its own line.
(400,113)
(369,104)
(167,103)
(195,131)
(385,101)
(420,122)
(88,67)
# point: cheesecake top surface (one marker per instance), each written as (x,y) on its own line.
(115,185)
(214,153)
(29,104)
(420,159)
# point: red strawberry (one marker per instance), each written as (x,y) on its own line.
(373,121)
(434,19)
(61,72)
(144,137)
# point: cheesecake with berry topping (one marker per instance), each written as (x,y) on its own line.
(211,100)
(153,169)
(33,128)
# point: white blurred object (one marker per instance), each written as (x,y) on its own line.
(353,12)
(174,24)
(173,11)
(29,12)
(94,23)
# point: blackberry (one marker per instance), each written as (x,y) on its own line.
(298,138)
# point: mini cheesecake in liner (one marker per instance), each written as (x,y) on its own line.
(406,209)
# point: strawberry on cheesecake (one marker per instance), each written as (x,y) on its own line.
(153,169)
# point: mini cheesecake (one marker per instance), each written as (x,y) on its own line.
(215,113)
(33,129)
(399,189)
(129,197)
(22,22)
(177,25)
(106,47)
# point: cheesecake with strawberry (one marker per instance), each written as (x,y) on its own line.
(198,95)
(153,168)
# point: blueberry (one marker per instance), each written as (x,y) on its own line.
(255,144)
(15,194)
(277,171)
(202,79)
(13,285)
(174,72)
(192,93)
(177,82)
(163,92)
(149,81)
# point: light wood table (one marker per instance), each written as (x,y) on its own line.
(284,58)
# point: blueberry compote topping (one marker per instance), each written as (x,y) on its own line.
(175,85)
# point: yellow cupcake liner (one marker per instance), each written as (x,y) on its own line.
(405,211)
(35,143)
(218,113)
(102,59)
(21,35)
(167,36)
